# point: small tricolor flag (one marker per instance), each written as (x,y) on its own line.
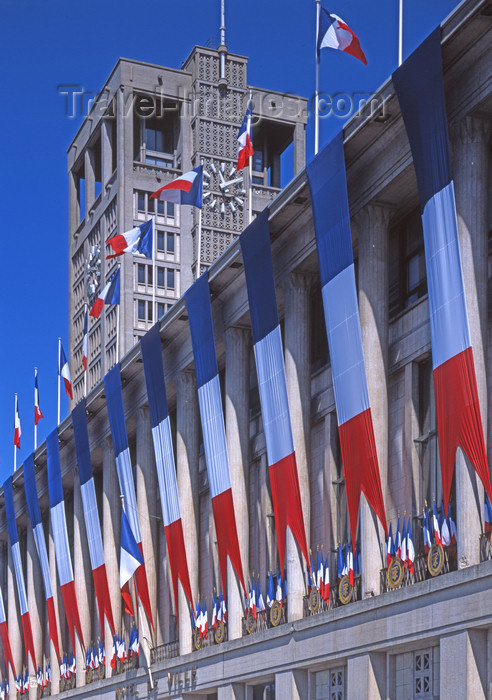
(185,189)
(109,295)
(84,340)
(64,371)
(130,559)
(335,34)
(17,425)
(37,411)
(245,139)
(137,240)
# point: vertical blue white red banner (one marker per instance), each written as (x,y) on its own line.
(39,538)
(114,398)
(19,573)
(4,636)
(150,346)
(209,398)
(329,200)
(60,537)
(270,368)
(419,87)
(91,516)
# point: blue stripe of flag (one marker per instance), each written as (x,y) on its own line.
(420,90)
(150,345)
(202,331)
(329,200)
(258,269)
(31,491)
(8,494)
(114,400)
(55,488)
(81,438)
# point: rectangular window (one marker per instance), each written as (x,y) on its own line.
(141,310)
(160,277)
(427,443)
(170,278)
(160,241)
(141,201)
(337,684)
(170,242)
(170,210)
(161,310)
(320,356)
(422,674)
(149,311)
(407,275)
(160,207)
(258,161)
(141,274)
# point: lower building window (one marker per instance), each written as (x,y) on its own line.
(422,674)
(337,684)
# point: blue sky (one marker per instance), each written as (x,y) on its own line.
(61,42)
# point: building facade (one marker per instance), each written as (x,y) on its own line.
(429,638)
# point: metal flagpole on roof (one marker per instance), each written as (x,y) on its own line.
(59,377)
(15,424)
(400,33)
(199,242)
(35,402)
(118,332)
(316,87)
(250,164)
(154,237)
(86,318)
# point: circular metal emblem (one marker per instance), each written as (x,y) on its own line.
(197,640)
(395,572)
(101,671)
(435,559)
(250,623)
(345,590)
(89,675)
(275,613)
(219,632)
(314,600)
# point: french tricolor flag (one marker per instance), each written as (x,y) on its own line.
(130,560)
(60,537)
(150,345)
(420,90)
(37,410)
(17,424)
(64,371)
(335,34)
(185,189)
(114,398)
(138,240)
(19,574)
(209,397)
(91,516)
(31,492)
(245,138)
(110,294)
(329,200)
(85,340)
(270,368)
(4,636)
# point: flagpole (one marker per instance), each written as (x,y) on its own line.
(35,426)
(86,306)
(59,377)
(199,245)
(400,33)
(154,237)
(316,87)
(250,168)
(15,416)
(118,333)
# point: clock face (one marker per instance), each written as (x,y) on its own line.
(223,187)
(92,272)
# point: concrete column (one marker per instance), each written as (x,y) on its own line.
(90,179)
(291,685)
(468,678)
(54,661)
(82,573)
(296,288)
(366,677)
(36,603)
(13,623)
(187,473)
(470,138)
(237,435)
(147,489)
(299,147)
(234,691)
(73,202)
(372,224)
(111,539)
(166,597)
(106,150)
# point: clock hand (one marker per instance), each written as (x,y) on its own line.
(230,182)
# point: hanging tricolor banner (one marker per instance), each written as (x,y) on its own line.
(130,560)
(150,346)
(209,397)
(60,537)
(114,398)
(19,574)
(110,294)
(38,532)
(420,90)
(329,200)
(91,516)
(137,240)
(4,637)
(270,368)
